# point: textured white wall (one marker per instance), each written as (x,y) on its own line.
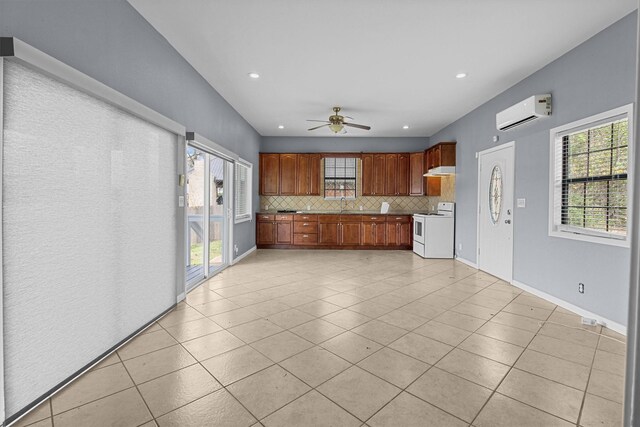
(89,229)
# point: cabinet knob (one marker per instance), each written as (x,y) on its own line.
(305,224)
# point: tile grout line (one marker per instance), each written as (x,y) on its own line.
(586,387)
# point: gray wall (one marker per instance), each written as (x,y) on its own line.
(291,144)
(111,42)
(592,78)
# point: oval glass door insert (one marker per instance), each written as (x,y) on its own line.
(495,194)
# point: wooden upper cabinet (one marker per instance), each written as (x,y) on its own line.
(367,174)
(379,162)
(288,164)
(308,175)
(415,174)
(402,180)
(391,174)
(441,154)
(302,177)
(269,174)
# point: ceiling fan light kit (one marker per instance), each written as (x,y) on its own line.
(336,123)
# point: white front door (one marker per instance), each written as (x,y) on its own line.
(495,211)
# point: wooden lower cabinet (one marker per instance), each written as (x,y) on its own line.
(266,232)
(349,234)
(373,234)
(328,233)
(350,231)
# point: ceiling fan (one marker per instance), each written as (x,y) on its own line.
(336,122)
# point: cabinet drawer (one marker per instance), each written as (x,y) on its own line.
(373,218)
(305,239)
(351,218)
(265,217)
(328,219)
(305,218)
(284,217)
(398,218)
(305,227)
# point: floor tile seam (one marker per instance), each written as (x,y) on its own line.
(53,415)
(504,341)
(584,396)
(140,393)
(495,390)
(559,357)
(605,398)
(302,351)
(547,334)
(147,352)
(575,423)
(351,413)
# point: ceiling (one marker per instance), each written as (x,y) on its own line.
(388,63)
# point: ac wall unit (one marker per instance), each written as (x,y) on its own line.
(530,109)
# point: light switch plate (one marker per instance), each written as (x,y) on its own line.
(181,201)
(522,203)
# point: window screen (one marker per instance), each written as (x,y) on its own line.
(339,177)
(242,192)
(591,167)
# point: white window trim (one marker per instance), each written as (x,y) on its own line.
(247,216)
(576,233)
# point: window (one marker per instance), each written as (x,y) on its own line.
(339,178)
(590,191)
(242,202)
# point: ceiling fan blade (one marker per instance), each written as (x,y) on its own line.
(318,127)
(348,117)
(354,125)
(321,121)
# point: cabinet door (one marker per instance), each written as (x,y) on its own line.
(314,174)
(288,174)
(378,174)
(404,234)
(328,234)
(302,175)
(415,174)
(284,232)
(368,233)
(432,186)
(367,174)
(447,154)
(390,174)
(392,234)
(269,174)
(350,234)
(402,175)
(266,233)
(379,234)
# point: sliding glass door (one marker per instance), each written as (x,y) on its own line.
(207,225)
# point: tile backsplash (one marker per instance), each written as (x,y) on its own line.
(398,203)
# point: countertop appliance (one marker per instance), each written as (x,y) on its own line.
(433,233)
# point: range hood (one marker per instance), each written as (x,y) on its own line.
(441,170)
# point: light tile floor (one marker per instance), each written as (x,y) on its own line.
(353,338)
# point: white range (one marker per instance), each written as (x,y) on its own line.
(433,233)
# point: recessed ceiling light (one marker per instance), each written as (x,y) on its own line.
(405,127)
(280,126)
(254,75)
(461,75)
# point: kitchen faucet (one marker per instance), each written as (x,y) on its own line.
(342,199)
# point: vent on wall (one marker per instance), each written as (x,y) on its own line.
(523,112)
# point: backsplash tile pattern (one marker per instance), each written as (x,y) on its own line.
(368,203)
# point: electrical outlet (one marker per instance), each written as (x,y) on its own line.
(459,246)
(235,249)
(581,288)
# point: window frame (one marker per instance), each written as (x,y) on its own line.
(244,216)
(324,179)
(556,147)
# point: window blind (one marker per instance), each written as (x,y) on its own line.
(242,192)
(591,171)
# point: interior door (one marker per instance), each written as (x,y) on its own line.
(495,211)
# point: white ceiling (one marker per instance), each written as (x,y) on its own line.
(386,62)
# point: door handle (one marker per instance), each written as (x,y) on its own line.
(507,221)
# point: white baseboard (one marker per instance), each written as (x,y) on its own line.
(180,298)
(246,254)
(614,326)
(467,262)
